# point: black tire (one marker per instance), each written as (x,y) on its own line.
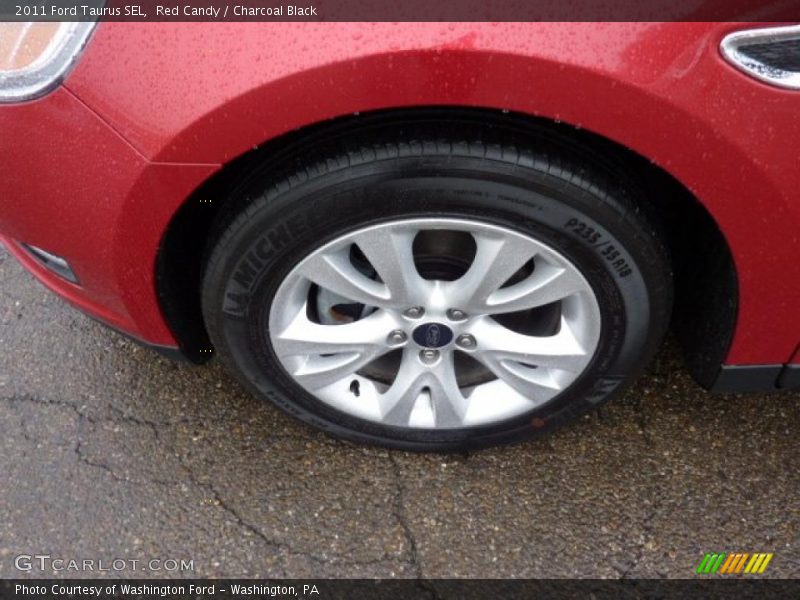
(523,177)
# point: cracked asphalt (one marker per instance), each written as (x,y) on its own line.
(109,451)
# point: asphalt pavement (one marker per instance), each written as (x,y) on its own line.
(108,451)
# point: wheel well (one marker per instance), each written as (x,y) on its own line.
(705,277)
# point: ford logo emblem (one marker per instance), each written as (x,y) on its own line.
(433,335)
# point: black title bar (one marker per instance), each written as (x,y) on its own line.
(400,10)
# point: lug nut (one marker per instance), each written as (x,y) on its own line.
(456,315)
(415,312)
(396,337)
(429,356)
(466,341)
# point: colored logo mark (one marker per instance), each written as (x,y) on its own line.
(733,563)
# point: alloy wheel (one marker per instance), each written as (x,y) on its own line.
(435,323)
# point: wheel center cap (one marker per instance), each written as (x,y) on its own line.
(433,335)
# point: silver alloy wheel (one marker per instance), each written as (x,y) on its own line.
(429,321)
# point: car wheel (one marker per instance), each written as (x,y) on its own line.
(438,286)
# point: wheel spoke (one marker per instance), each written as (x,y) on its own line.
(335,272)
(534,384)
(496,260)
(399,400)
(303,336)
(317,372)
(449,404)
(545,285)
(560,351)
(416,383)
(329,353)
(391,254)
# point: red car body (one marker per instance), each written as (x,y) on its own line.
(96,170)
